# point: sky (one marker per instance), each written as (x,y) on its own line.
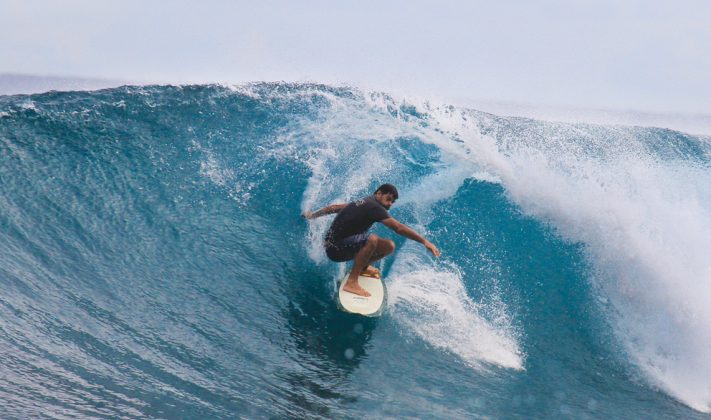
(651,56)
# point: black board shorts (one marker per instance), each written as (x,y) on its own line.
(346,248)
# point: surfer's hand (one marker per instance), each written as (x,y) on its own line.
(307,215)
(433,249)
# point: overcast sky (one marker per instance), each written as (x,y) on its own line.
(639,55)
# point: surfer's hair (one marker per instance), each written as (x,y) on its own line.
(387,189)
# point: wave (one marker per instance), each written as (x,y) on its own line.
(157,227)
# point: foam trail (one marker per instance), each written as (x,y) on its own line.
(433,303)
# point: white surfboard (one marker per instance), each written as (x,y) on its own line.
(372,305)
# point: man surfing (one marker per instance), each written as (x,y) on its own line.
(348,236)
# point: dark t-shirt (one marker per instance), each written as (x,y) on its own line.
(357,217)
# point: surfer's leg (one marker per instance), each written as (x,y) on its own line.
(384,248)
(361,261)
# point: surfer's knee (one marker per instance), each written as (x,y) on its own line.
(389,246)
(372,240)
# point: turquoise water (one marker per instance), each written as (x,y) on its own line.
(155,263)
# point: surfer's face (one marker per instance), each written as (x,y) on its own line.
(386,200)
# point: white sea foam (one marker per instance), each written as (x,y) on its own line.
(28,104)
(434,304)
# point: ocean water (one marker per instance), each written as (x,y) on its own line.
(155,264)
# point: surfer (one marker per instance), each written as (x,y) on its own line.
(348,238)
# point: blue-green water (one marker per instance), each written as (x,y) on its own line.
(155,264)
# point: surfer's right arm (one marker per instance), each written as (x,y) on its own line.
(333,208)
(409,233)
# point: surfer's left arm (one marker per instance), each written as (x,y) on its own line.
(333,208)
(409,233)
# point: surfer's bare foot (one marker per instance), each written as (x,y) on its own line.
(371,271)
(355,289)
